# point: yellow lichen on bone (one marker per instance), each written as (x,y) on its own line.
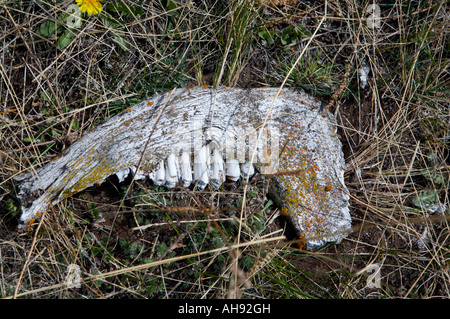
(307,199)
(298,146)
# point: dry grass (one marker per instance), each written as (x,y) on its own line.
(162,244)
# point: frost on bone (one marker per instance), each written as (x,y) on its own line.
(298,146)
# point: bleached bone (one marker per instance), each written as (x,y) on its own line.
(201,170)
(138,175)
(185,169)
(159,176)
(217,170)
(171,171)
(122,174)
(233,170)
(247,170)
(284,135)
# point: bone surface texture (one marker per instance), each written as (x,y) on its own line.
(200,137)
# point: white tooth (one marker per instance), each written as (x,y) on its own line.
(233,171)
(171,171)
(247,170)
(186,170)
(122,174)
(159,176)
(139,176)
(201,161)
(217,169)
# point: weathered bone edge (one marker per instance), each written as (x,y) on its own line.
(298,145)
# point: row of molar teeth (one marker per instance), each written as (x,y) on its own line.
(209,168)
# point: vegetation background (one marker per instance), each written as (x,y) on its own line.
(386,80)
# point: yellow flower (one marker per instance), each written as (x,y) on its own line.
(91,6)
